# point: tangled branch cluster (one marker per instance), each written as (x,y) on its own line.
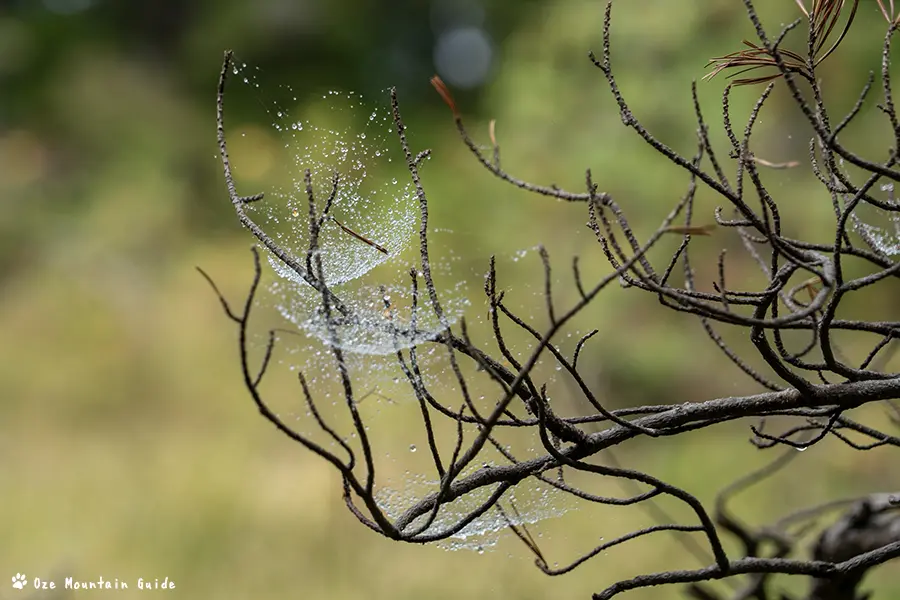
(806,282)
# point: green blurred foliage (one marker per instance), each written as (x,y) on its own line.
(131,449)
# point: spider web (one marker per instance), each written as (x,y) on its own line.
(373,220)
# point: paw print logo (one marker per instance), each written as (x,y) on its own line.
(18,581)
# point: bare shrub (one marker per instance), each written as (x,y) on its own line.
(811,387)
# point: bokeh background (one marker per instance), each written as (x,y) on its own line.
(129,445)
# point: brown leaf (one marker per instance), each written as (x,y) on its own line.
(444,91)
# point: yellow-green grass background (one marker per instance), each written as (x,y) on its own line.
(130,447)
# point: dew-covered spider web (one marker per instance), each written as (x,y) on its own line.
(880,229)
(373,220)
(528,503)
(368,246)
(406,471)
